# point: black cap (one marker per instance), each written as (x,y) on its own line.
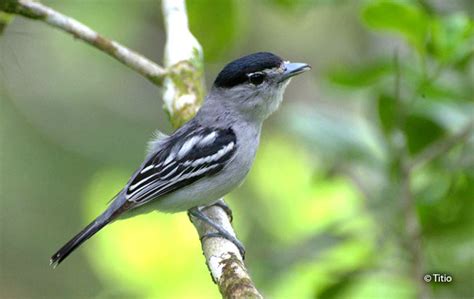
(236,72)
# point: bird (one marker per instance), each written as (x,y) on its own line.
(208,156)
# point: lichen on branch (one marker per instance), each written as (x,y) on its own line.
(185,90)
(183,93)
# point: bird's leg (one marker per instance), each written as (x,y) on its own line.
(221,232)
(221,203)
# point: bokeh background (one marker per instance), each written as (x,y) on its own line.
(362,181)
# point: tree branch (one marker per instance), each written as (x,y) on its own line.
(38,11)
(183,89)
(182,95)
(442,146)
(223,258)
(412,224)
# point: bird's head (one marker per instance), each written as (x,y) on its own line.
(254,84)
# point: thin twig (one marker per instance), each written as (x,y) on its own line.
(38,11)
(413,231)
(442,146)
(407,200)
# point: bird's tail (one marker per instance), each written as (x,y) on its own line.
(75,242)
(105,218)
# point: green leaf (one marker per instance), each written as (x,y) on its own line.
(443,91)
(400,17)
(421,131)
(362,76)
(215,25)
(452,38)
(386,108)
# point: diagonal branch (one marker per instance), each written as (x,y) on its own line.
(442,146)
(223,258)
(183,92)
(38,11)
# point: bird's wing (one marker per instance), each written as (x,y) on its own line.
(180,161)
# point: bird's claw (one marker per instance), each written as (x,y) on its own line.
(228,237)
(221,203)
(221,232)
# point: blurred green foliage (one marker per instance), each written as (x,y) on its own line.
(324,211)
(144,259)
(214,23)
(413,90)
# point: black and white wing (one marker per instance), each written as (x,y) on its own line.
(182,160)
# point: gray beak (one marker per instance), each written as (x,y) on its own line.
(293,69)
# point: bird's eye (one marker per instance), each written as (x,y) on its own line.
(256,78)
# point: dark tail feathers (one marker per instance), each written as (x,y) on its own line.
(75,242)
(117,207)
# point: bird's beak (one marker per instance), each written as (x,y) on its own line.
(293,69)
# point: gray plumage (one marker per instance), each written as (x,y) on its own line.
(211,154)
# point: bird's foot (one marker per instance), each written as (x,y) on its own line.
(221,232)
(221,204)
